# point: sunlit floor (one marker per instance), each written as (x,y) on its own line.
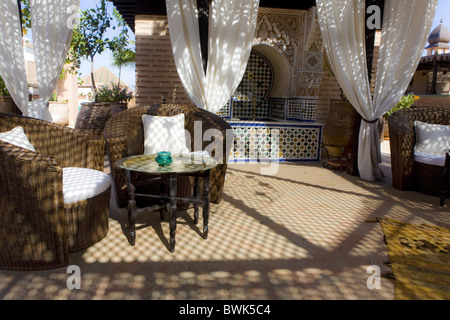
(304,233)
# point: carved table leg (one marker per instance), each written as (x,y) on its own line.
(197,196)
(206,199)
(173,210)
(131,210)
(162,190)
(132,220)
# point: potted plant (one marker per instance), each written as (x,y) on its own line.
(110,100)
(117,96)
(6,102)
(405,102)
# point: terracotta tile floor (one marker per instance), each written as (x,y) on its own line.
(300,234)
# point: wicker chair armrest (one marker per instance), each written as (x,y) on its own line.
(402,142)
(31,198)
(22,155)
(71,147)
(117,149)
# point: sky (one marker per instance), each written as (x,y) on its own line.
(442,12)
(106,59)
(128,75)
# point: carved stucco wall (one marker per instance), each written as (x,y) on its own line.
(292,41)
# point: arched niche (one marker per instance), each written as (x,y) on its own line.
(281,69)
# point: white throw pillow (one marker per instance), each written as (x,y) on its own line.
(18,138)
(432,138)
(164,134)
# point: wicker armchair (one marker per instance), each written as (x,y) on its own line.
(37,229)
(124,133)
(407,174)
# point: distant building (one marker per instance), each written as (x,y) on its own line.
(30,65)
(432,76)
(102,77)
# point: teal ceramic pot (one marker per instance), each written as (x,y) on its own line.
(163,158)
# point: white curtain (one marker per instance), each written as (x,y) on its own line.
(12,61)
(231,31)
(406,26)
(52,31)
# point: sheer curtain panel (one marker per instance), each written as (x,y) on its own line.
(405,29)
(52,31)
(52,25)
(231,31)
(12,61)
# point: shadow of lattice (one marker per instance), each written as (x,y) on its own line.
(300,234)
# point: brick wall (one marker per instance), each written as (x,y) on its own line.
(156,73)
(329,90)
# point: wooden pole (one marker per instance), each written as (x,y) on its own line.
(435,75)
(19,5)
(370,35)
(203,23)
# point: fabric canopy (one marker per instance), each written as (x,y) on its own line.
(52,30)
(405,29)
(231,31)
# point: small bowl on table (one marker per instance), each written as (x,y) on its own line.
(163,158)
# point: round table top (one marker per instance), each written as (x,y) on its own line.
(180,164)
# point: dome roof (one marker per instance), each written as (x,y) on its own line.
(439,35)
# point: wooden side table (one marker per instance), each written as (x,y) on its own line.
(182,165)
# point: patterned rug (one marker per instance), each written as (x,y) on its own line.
(420,260)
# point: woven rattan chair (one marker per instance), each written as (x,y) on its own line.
(407,174)
(37,229)
(124,133)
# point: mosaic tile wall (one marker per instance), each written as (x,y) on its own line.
(225,112)
(294,109)
(275,141)
(302,109)
(258,80)
(278,109)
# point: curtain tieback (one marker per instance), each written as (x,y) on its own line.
(370,122)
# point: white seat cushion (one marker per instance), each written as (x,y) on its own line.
(435,159)
(164,134)
(81,183)
(18,138)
